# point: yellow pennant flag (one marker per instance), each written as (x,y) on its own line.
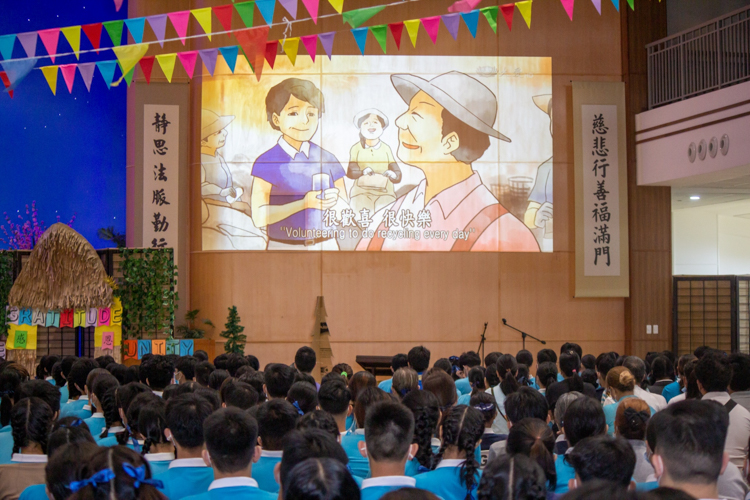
(129,55)
(290,47)
(412,27)
(525,9)
(203,16)
(50,74)
(339,5)
(166,61)
(73,36)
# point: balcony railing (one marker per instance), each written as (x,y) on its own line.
(711,56)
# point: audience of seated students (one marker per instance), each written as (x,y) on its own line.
(533,438)
(515,477)
(276,419)
(546,375)
(48,393)
(523,403)
(662,374)
(397,361)
(739,387)
(485,403)
(466,362)
(350,441)
(477,381)
(631,419)
(404,381)
(457,473)
(425,408)
(79,372)
(678,386)
(101,385)
(335,398)
(524,357)
(621,386)
(637,368)
(506,368)
(152,425)
(602,457)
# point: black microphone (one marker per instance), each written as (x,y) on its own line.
(504,321)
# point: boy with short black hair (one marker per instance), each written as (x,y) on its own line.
(231,448)
(605,458)
(335,398)
(157,372)
(203,370)
(188,474)
(397,361)
(419,359)
(238,394)
(276,419)
(524,403)
(278,380)
(305,359)
(351,440)
(389,431)
(466,362)
(78,398)
(185,369)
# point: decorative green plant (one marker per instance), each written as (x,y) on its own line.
(188,330)
(233,333)
(6,282)
(147,290)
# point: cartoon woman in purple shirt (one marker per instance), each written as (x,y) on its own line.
(296,181)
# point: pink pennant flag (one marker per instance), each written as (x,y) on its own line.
(28,42)
(188,61)
(568,6)
(290,6)
(87,73)
(432,25)
(118,5)
(69,74)
(598,5)
(312,8)
(49,39)
(180,22)
(311,44)
(326,40)
(464,6)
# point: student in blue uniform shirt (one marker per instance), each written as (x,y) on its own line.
(485,403)
(189,474)
(466,362)
(116,408)
(675,388)
(335,398)
(604,458)
(60,382)
(397,361)
(231,448)
(79,372)
(152,423)
(621,384)
(457,474)
(276,419)
(583,418)
(478,384)
(524,357)
(389,431)
(512,477)
(350,442)
(425,408)
(321,478)
(523,403)
(11,376)
(103,383)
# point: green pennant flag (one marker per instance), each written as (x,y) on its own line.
(358,17)
(632,4)
(491,14)
(246,11)
(129,76)
(379,32)
(114,30)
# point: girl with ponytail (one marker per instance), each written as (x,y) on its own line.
(124,396)
(157,450)
(11,377)
(100,386)
(546,375)
(426,409)
(631,420)
(506,369)
(485,403)
(533,438)
(456,475)
(112,420)
(512,478)
(478,384)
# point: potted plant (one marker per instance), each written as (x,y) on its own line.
(233,333)
(188,330)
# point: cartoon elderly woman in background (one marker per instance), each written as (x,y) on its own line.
(372,165)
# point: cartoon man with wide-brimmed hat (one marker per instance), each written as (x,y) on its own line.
(447,127)
(216,178)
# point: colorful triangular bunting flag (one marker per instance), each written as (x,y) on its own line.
(69,75)
(598,5)
(290,6)
(253,43)
(129,76)
(431,25)
(464,6)
(311,45)
(230,56)
(209,56)
(147,65)
(129,55)
(203,16)
(272,49)
(158,25)
(290,48)
(338,5)
(87,73)
(118,5)
(451,22)
(397,30)
(6,82)
(94,34)
(28,42)
(136,26)
(266,9)
(380,33)
(360,36)
(107,69)
(357,17)
(568,6)
(525,9)
(49,40)
(326,40)
(617,4)
(490,13)
(114,30)
(471,19)
(412,28)
(6,46)
(312,8)
(246,10)
(632,4)
(180,22)
(224,14)
(166,63)
(17,70)
(50,74)
(73,35)
(188,61)
(508,10)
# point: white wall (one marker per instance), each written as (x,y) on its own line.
(708,243)
(734,245)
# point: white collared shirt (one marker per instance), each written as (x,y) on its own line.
(739,428)
(377,146)
(488,430)
(403,481)
(87,407)
(230,482)
(29,459)
(116,429)
(81,398)
(158,393)
(187,462)
(655,401)
(159,457)
(291,151)
(271,454)
(453,462)
(98,415)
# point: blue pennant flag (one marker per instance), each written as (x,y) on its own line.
(107,69)
(471,19)
(230,55)
(266,8)
(135,27)
(6,46)
(360,36)
(17,70)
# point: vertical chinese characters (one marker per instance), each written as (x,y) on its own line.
(600,213)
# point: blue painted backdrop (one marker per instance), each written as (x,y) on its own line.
(67,152)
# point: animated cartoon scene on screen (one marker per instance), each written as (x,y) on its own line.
(382,153)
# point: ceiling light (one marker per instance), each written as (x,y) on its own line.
(695,197)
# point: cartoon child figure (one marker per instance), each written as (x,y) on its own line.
(539,213)
(371,164)
(296,182)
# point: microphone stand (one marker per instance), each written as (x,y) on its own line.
(523,334)
(482,341)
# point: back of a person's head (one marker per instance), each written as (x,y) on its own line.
(202,372)
(700,351)
(64,466)
(546,355)
(515,477)
(152,424)
(298,446)
(279,379)
(157,372)
(121,373)
(127,393)
(359,381)
(740,372)
(65,435)
(597,489)
(636,366)
(507,368)
(524,357)
(572,346)
(419,358)
(305,359)
(235,361)
(405,380)
(583,418)
(30,420)
(185,416)
(367,397)
(445,365)
(588,361)
(186,365)
(217,378)
(492,357)
(129,477)
(485,403)
(604,363)
(546,374)
(661,369)
(425,407)
(714,372)
(534,438)
(689,437)
(525,403)
(79,372)
(631,419)
(684,359)
(334,397)
(320,479)
(319,420)
(603,457)
(409,494)
(476,379)
(303,396)
(137,404)
(253,360)
(399,361)
(621,379)
(470,359)
(441,385)
(343,369)
(570,363)
(231,436)
(389,430)
(462,429)
(41,389)
(562,404)
(238,394)
(276,419)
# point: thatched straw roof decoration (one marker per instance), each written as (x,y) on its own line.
(63,272)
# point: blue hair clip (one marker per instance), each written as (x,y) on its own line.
(76,423)
(101,477)
(299,410)
(139,474)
